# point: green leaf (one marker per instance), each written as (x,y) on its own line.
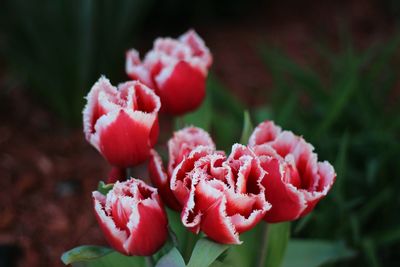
(370,253)
(388,236)
(206,252)
(245,254)
(278,237)
(104,188)
(113,259)
(225,130)
(175,224)
(314,253)
(171,259)
(222,99)
(247,128)
(217,263)
(281,66)
(84,253)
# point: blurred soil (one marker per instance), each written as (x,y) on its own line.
(47,172)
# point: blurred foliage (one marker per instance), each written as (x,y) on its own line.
(221,113)
(58,49)
(348,108)
(62,47)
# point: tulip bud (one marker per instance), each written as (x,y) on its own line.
(176,69)
(122,123)
(132,218)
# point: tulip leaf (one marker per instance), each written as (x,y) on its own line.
(247,128)
(278,237)
(113,259)
(205,253)
(172,259)
(314,253)
(84,253)
(104,188)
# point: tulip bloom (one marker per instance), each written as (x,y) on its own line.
(132,218)
(176,69)
(296,181)
(121,123)
(222,196)
(179,147)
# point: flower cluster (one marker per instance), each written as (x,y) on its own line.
(275,177)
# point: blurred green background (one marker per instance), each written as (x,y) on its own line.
(327,71)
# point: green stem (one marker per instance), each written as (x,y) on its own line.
(149,261)
(264,245)
(172,236)
(128,173)
(179,122)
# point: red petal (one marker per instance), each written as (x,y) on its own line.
(327,178)
(125,139)
(114,236)
(217,225)
(149,232)
(286,200)
(154,132)
(183,142)
(181,186)
(181,88)
(199,49)
(93,109)
(161,180)
(135,69)
(245,223)
(190,215)
(208,192)
(265,132)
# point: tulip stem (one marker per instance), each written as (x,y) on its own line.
(149,261)
(128,172)
(172,236)
(264,245)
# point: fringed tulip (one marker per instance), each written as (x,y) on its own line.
(222,196)
(132,218)
(176,69)
(296,181)
(122,123)
(179,147)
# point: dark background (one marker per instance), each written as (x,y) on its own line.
(328,70)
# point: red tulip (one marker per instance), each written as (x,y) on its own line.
(121,123)
(176,69)
(221,196)
(132,218)
(296,181)
(179,147)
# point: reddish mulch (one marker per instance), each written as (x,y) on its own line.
(48,171)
